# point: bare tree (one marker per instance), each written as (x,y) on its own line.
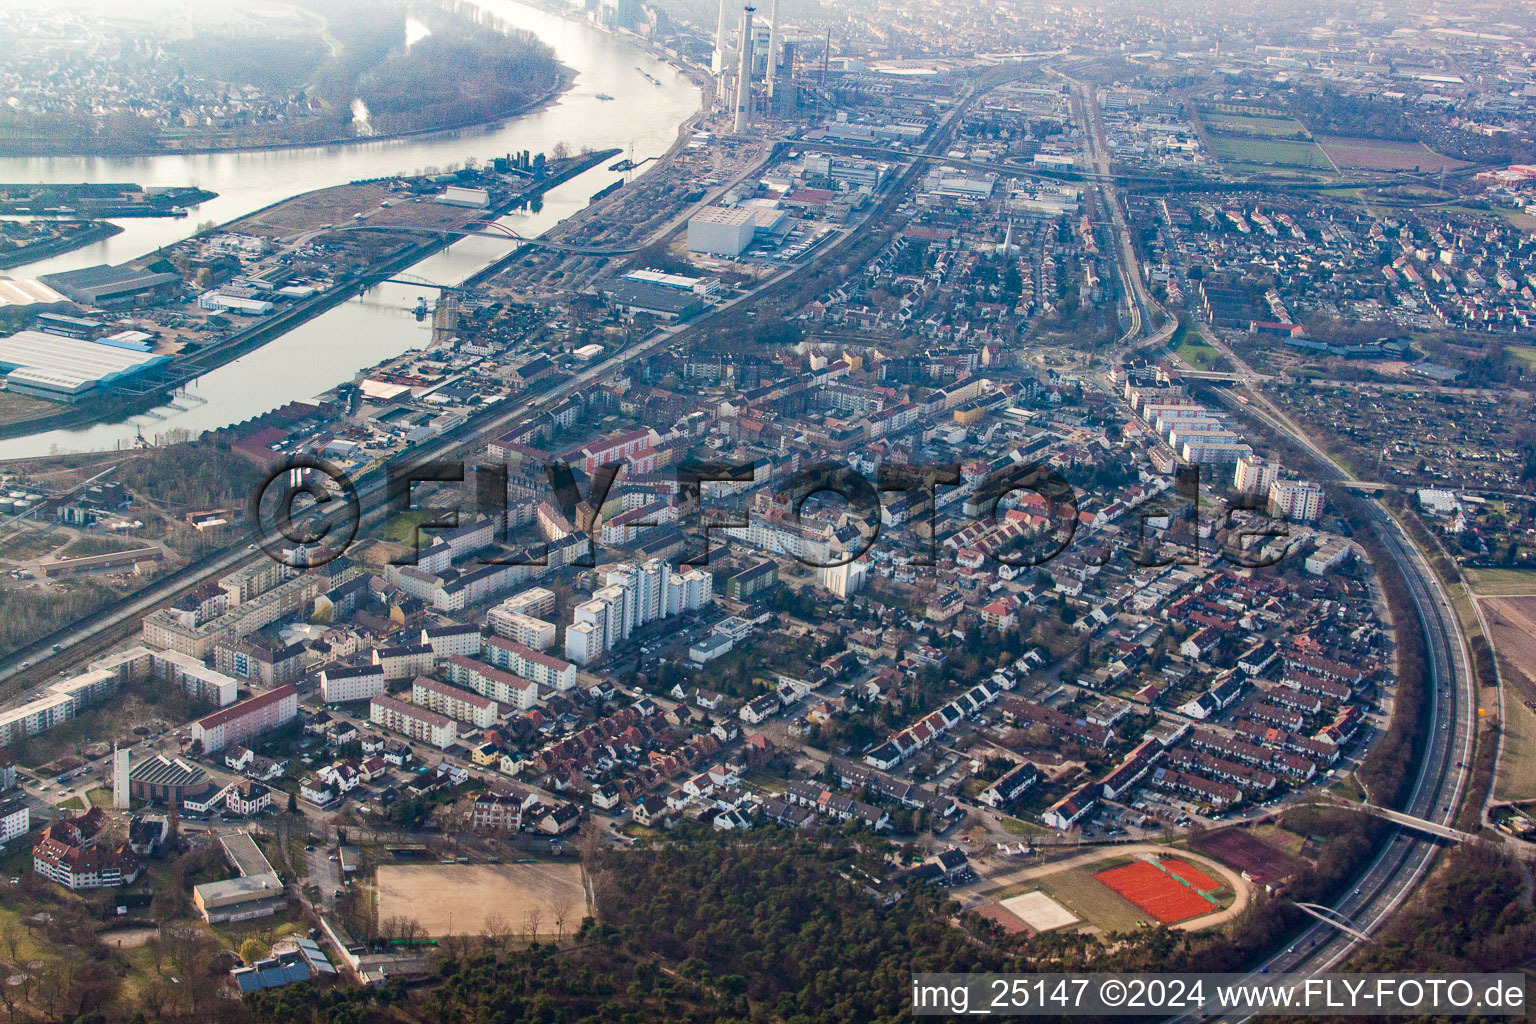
(11,996)
(155,997)
(564,905)
(531,923)
(11,936)
(390,929)
(497,930)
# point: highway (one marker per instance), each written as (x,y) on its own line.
(1445,766)
(1443,771)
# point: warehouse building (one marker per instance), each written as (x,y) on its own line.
(26,291)
(221,302)
(721,230)
(69,369)
(121,287)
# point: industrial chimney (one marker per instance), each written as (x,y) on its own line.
(722,50)
(771,79)
(744,72)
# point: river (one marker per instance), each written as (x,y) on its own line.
(377,325)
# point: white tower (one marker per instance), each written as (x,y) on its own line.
(744,73)
(722,51)
(771,79)
(120,799)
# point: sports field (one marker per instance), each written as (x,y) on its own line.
(1280,152)
(1085,897)
(1169,890)
(1241,849)
(472,899)
(1039,911)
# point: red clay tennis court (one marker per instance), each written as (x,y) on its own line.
(1169,890)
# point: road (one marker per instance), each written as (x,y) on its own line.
(1443,770)
(74,642)
(1445,766)
(1144,309)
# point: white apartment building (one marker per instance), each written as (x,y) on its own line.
(453,702)
(1300,501)
(343,683)
(450,640)
(583,642)
(523,629)
(497,684)
(198,680)
(406,661)
(1254,475)
(419,724)
(544,669)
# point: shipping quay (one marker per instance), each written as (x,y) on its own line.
(329,245)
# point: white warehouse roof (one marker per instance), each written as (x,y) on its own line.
(68,364)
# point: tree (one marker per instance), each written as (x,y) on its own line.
(11,936)
(564,905)
(293,803)
(497,931)
(253,949)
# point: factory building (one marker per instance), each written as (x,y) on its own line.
(121,287)
(68,369)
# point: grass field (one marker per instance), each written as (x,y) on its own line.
(100,545)
(1277,152)
(26,544)
(1016,827)
(401,527)
(1501,582)
(1524,353)
(1261,127)
(1198,354)
(463,899)
(1280,838)
(1512,621)
(1517,762)
(14,408)
(1091,900)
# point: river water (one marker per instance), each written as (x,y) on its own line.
(377,325)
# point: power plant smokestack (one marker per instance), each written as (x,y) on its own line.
(771,79)
(744,73)
(722,60)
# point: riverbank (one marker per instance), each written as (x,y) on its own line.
(567,79)
(205,360)
(98,231)
(331,349)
